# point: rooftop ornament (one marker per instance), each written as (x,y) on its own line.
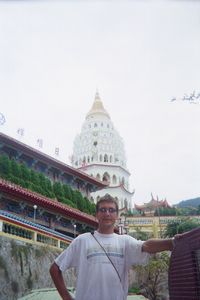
(2,119)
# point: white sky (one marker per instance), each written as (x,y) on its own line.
(139,54)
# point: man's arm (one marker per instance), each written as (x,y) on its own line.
(58,280)
(158,245)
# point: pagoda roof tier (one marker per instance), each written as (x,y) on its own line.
(122,187)
(153,204)
(104,165)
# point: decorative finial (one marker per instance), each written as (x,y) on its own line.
(97,97)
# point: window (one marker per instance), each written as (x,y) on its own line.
(98,176)
(106,177)
(105,158)
(114,179)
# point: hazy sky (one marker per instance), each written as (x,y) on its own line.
(139,54)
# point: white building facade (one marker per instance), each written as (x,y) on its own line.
(99,151)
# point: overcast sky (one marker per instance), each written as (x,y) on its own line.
(139,54)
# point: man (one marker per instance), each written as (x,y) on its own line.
(102,259)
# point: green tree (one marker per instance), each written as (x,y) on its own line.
(34,177)
(80,201)
(49,188)
(165,211)
(139,234)
(15,169)
(5,168)
(153,277)
(20,174)
(74,198)
(90,207)
(25,173)
(45,185)
(180,225)
(68,202)
(67,192)
(58,190)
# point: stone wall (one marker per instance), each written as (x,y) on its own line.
(24,267)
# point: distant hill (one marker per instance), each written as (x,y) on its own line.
(189,203)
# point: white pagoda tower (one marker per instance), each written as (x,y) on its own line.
(99,151)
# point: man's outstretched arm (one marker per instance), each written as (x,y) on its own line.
(58,280)
(158,245)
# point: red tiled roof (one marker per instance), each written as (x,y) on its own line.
(153,204)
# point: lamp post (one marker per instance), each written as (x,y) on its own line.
(126,226)
(120,225)
(34,213)
(74,230)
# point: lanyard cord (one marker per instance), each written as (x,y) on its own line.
(92,233)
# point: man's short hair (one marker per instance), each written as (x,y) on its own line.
(107,198)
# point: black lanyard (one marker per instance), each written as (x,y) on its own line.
(92,233)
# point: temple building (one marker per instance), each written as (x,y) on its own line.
(149,209)
(31,216)
(99,151)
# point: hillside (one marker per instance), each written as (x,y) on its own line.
(189,203)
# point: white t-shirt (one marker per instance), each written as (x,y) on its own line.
(96,277)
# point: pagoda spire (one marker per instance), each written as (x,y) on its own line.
(97,107)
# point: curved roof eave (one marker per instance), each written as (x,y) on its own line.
(121,186)
(104,165)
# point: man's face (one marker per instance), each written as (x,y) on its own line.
(107,215)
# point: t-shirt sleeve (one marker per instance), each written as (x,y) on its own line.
(69,257)
(134,253)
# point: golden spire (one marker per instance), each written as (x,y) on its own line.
(97,107)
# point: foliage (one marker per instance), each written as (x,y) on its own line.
(133,212)
(34,177)
(180,225)
(25,172)
(15,169)
(139,234)
(68,202)
(67,192)
(79,200)
(20,174)
(165,211)
(134,290)
(58,190)
(5,168)
(187,211)
(152,276)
